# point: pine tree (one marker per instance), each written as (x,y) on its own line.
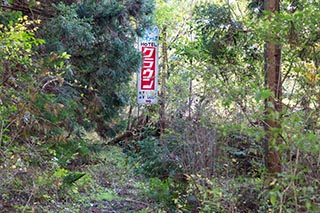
(100,37)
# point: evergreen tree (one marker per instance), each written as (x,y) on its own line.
(100,36)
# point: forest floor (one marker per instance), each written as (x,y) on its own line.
(118,189)
(102,179)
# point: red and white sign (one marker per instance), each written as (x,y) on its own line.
(148,70)
(148,74)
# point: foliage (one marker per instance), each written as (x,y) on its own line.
(52,90)
(196,146)
(212,195)
(161,192)
(295,190)
(154,160)
(100,39)
(210,158)
(35,135)
(215,104)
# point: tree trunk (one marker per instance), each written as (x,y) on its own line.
(163,83)
(273,105)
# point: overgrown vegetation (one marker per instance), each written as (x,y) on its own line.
(215,109)
(67,91)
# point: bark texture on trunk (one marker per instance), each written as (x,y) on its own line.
(273,104)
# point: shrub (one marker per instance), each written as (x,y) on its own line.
(155,160)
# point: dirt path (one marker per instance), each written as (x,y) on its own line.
(120,188)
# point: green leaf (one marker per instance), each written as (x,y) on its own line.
(106,196)
(32,4)
(73,177)
(308,204)
(273,198)
(263,94)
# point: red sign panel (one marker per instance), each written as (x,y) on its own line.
(148,70)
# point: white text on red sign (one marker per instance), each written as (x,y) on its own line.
(148,69)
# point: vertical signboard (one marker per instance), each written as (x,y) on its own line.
(148,73)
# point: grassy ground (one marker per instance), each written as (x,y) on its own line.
(106,180)
(104,183)
(117,187)
(110,185)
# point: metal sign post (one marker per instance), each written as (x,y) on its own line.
(148,73)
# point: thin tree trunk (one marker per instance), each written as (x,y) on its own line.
(190,82)
(273,105)
(163,82)
(190,98)
(129,118)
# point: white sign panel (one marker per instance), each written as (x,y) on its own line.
(148,73)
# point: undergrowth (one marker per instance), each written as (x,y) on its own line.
(213,169)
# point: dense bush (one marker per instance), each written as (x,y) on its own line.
(36,130)
(205,168)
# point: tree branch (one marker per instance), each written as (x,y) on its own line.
(28,10)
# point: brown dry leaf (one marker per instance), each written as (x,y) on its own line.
(48,107)
(55,111)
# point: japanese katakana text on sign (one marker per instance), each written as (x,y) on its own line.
(148,70)
(148,74)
